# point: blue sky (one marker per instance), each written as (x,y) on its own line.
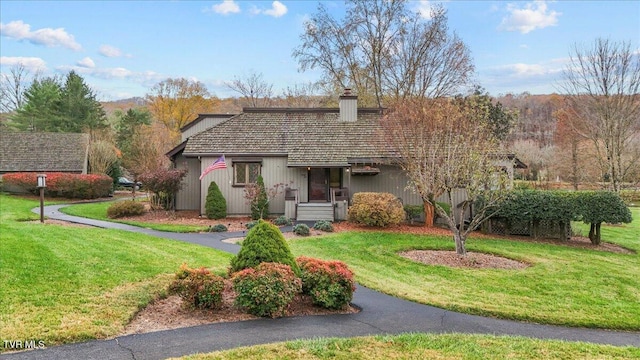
(122,48)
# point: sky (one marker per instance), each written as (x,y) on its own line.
(123,48)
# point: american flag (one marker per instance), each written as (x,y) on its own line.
(218,164)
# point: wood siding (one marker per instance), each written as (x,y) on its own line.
(274,171)
(203,125)
(188,198)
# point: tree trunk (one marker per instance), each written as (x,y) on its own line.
(594,233)
(460,248)
(429,213)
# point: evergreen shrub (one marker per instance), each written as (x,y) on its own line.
(215,205)
(263,243)
(218,228)
(301,230)
(323,225)
(282,221)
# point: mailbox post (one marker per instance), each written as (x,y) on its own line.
(42,183)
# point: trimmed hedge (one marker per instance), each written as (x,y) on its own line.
(376,209)
(72,186)
(592,207)
(266,290)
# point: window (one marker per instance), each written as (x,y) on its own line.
(246,173)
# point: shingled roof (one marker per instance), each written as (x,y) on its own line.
(308,137)
(40,152)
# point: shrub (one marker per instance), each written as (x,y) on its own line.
(263,243)
(282,221)
(376,209)
(266,290)
(259,202)
(73,186)
(329,283)
(251,224)
(215,205)
(218,228)
(163,183)
(301,230)
(125,208)
(199,288)
(323,225)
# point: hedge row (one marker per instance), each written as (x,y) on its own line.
(72,186)
(586,206)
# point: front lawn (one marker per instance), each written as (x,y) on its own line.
(68,283)
(426,346)
(564,286)
(98,211)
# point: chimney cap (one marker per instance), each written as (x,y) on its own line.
(347,92)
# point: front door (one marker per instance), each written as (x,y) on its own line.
(318,185)
(321,180)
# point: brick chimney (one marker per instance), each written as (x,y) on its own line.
(348,106)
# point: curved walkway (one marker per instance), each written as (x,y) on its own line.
(381,314)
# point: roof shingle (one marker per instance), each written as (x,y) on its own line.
(40,152)
(310,137)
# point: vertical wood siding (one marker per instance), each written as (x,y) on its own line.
(274,171)
(203,125)
(188,198)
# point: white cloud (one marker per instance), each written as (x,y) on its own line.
(534,15)
(109,51)
(226,7)
(86,63)
(424,9)
(46,36)
(33,64)
(278,9)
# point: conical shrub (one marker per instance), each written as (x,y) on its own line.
(264,243)
(215,205)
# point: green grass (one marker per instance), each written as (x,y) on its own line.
(426,346)
(98,211)
(564,285)
(64,284)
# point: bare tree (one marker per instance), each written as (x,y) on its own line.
(255,91)
(12,88)
(303,96)
(443,149)
(383,50)
(603,84)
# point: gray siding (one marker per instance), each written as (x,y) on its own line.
(188,198)
(203,125)
(391,179)
(274,171)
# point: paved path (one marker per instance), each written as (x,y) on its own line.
(381,314)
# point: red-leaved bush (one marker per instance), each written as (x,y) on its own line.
(199,288)
(329,283)
(266,290)
(73,186)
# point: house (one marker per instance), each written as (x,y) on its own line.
(322,155)
(43,152)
